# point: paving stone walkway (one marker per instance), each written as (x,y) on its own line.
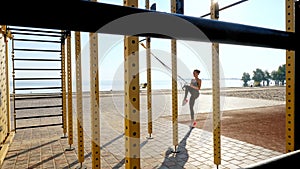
(46,147)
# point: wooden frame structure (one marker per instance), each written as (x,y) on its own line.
(216,31)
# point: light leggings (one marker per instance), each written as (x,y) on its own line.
(194,95)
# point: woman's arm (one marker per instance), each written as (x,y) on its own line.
(199,83)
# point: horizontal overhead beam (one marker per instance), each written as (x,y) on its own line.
(88,16)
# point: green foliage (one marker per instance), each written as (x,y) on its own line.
(245,79)
(275,77)
(281,74)
(264,76)
(267,78)
(258,76)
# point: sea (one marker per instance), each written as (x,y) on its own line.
(110,85)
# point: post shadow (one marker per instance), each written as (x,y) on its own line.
(177,159)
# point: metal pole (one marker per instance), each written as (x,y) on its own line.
(290,80)
(95,102)
(296,89)
(63,86)
(4,128)
(132,98)
(226,7)
(80,138)
(216,90)
(7,79)
(70,93)
(14,84)
(174,86)
(149,82)
(216,31)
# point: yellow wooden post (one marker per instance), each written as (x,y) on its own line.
(70,106)
(80,139)
(132,98)
(63,86)
(95,111)
(4,116)
(290,80)
(149,83)
(3,89)
(7,35)
(216,91)
(14,85)
(174,85)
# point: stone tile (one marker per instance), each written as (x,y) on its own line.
(44,147)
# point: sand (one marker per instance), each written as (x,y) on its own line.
(263,126)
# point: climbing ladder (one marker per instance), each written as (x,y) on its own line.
(37,77)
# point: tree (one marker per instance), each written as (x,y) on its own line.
(245,79)
(267,77)
(275,77)
(258,76)
(264,76)
(281,74)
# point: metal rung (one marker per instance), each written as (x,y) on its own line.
(37,88)
(37,78)
(35,69)
(43,97)
(38,50)
(38,94)
(35,30)
(35,34)
(23,59)
(34,117)
(35,40)
(45,125)
(38,107)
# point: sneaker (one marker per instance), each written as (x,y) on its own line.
(184,102)
(194,124)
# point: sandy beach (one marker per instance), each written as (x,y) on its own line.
(263,125)
(267,92)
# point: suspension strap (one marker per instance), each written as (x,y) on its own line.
(166,66)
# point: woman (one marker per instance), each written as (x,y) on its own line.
(193,89)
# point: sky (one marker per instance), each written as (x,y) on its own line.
(234,59)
